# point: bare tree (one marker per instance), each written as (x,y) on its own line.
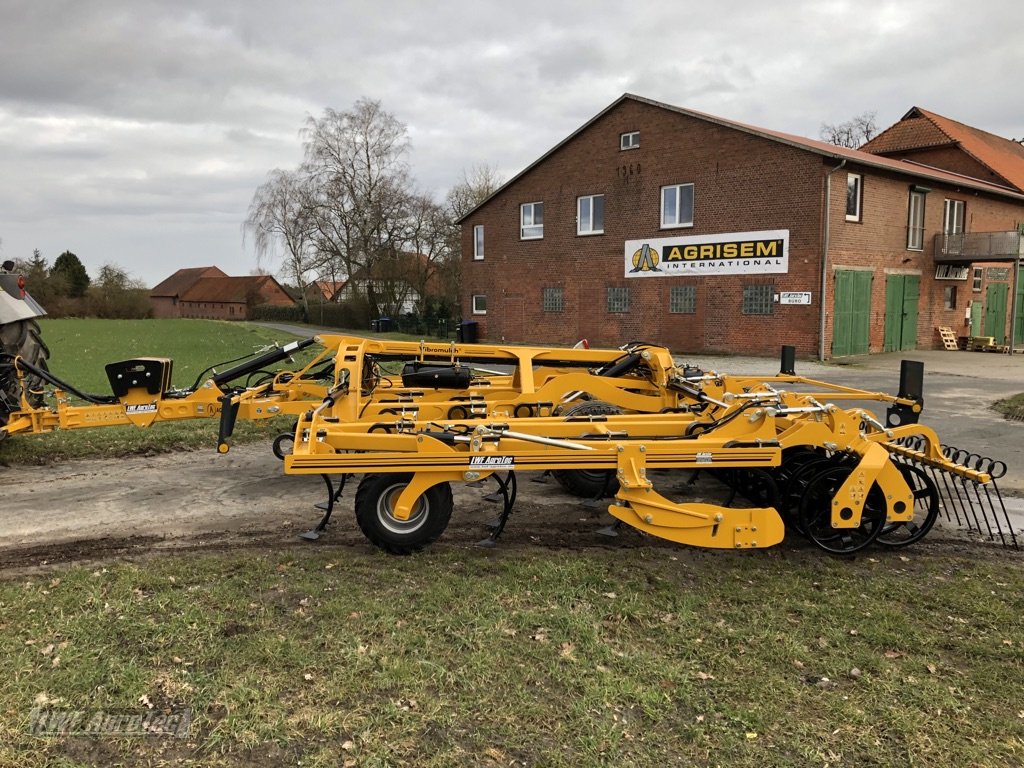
(854,133)
(279,217)
(360,193)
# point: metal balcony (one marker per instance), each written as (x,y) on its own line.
(966,247)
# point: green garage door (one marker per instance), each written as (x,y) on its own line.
(1018,324)
(995,311)
(901,299)
(851,326)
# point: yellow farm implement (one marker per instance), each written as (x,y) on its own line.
(414,417)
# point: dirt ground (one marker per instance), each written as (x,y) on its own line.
(92,510)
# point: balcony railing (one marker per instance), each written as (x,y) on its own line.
(979,246)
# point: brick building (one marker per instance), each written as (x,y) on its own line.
(659,223)
(206,292)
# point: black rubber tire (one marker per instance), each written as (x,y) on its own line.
(375,500)
(22,338)
(588,483)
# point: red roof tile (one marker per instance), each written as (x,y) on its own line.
(920,128)
(225,289)
(183,279)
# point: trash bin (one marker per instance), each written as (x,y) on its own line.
(385,324)
(468,330)
(375,326)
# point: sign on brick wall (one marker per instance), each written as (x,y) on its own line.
(730,253)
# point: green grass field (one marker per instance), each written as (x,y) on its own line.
(527,657)
(79,350)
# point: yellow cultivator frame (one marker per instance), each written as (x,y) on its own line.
(414,417)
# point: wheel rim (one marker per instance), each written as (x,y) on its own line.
(386,511)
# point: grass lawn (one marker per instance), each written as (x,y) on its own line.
(1011,406)
(327,656)
(79,350)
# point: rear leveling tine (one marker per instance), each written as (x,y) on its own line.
(1006,515)
(947,502)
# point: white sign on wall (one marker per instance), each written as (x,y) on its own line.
(795,297)
(729,253)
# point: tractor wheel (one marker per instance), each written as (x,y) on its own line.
(375,512)
(23,339)
(588,483)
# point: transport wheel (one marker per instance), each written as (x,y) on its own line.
(21,338)
(926,510)
(816,514)
(588,483)
(375,504)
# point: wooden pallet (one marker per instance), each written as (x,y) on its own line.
(948,338)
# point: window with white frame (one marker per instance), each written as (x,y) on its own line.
(478,242)
(618,299)
(854,196)
(553,299)
(677,205)
(629,140)
(953,217)
(479,304)
(915,221)
(682,299)
(590,215)
(531,221)
(758,299)
(949,297)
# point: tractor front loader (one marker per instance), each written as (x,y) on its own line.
(414,417)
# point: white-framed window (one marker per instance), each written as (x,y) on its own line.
(478,242)
(949,297)
(531,221)
(915,221)
(953,217)
(553,299)
(677,206)
(630,140)
(479,304)
(590,215)
(618,298)
(854,196)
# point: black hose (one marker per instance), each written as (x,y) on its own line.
(49,378)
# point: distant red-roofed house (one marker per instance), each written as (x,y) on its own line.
(165,296)
(214,295)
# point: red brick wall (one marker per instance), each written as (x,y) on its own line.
(213,310)
(742,183)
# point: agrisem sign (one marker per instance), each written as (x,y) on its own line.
(730,253)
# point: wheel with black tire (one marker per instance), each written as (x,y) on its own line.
(816,513)
(926,510)
(376,500)
(24,340)
(588,483)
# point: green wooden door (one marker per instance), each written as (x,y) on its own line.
(902,296)
(1018,322)
(851,313)
(995,311)
(976,317)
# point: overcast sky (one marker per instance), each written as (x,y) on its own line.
(134,132)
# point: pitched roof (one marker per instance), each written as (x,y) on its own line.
(183,279)
(228,290)
(920,129)
(906,167)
